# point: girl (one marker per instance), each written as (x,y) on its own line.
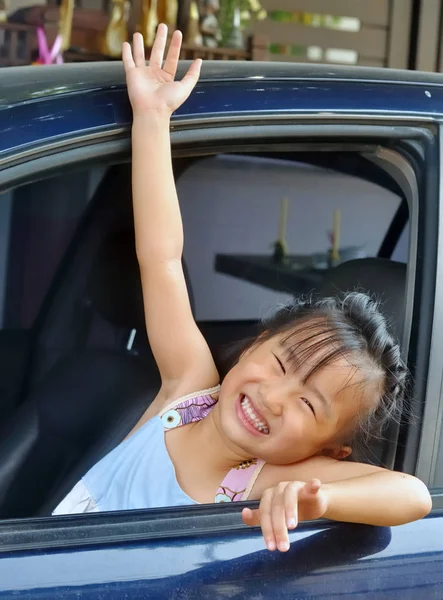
(287,412)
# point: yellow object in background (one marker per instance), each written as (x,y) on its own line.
(65,23)
(167,12)
(154,12)
(193,35)
(335,254)
(117,30)
(148,22)
(3,10)
(284,208)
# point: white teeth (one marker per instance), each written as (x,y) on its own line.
(249,411)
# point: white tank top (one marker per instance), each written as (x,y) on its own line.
(140,474)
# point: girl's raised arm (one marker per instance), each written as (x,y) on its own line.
(181,352)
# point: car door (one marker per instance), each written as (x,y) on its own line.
(205,551)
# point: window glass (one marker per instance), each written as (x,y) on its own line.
(37,222)
(232,205)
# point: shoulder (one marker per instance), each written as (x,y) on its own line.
(324,468)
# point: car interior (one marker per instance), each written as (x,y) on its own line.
(85,374)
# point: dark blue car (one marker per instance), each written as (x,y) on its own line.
(76,371)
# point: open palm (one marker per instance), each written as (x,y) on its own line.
(152,87)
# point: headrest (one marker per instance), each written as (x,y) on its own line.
(114,286)
(379,277)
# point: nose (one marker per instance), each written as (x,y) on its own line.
(273,395)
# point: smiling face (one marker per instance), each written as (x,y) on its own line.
(272,410)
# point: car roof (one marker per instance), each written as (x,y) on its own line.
(20,84)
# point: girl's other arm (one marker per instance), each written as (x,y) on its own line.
(181,352)
(341,491)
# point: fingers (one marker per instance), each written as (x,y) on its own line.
(262,517)
(251,517)
(173,55)
(278,513)
(128,61)
(271,518)
(158,49)
(291,506)
(267,516)
(191,77)
(313,501)
(285,513)
(138,50)
(310,490)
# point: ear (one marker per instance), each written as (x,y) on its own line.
(337,452)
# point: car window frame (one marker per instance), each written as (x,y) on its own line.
(200,140)
(428,458)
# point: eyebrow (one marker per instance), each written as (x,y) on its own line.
(326,405)
(291,357)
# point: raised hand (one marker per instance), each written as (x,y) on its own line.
(151,87)
(283,506)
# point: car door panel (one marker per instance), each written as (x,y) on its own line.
(326,561)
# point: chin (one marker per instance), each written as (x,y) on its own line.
(237,439)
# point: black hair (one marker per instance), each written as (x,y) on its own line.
(319,331)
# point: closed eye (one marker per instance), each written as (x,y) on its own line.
(280,363)
(306,401)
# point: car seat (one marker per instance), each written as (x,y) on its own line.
(93,371)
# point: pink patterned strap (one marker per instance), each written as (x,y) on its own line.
(237,484)
(189,409)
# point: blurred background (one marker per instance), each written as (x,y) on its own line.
(381,33)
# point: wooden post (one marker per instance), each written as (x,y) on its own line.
(134,17)
(400,29)
(428,35)
(183,13)
(258,47)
